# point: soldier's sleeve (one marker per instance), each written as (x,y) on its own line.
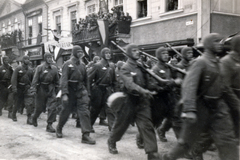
(114,80)
(127,78)
(190,86)
(226,71)
(86,81)
(64,79)
(229,96)
(57,80)
(35,80)
(14,78)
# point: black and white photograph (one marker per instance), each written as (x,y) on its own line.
(119,79)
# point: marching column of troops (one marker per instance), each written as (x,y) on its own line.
(202,106)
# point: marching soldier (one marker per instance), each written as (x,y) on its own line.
(230,65)
(75,93)
(103,77)
(204,110)
(21,83)
(136,106)
(164,102)
(45,83)
(5,81)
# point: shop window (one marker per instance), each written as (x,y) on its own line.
(58,24)
(142,8)
(91,9)
(119,4)
(73,19)
(171,5)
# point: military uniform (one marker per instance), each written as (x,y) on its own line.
(202,92)
(74,84)
(5,78)
(46,84)
(136,107)
(102,75)
(21,83)
(230,66)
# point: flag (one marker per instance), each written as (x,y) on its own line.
(103,31)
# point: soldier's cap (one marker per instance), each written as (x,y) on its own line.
(130,47)
(5,57)
(104,50)
(25,57)
(159,51)
(235,44)
(209,40)
(95,58)
(47,55)
(185,50)
(76,48)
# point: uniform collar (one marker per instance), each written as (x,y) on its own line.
(132,62)
(46,66)
(161,64)
(75,60)
(235,55)
(211,57)
(104,62)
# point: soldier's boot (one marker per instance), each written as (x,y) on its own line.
(14,117)
(92,130)
(102,122)
(29,119)
(50,128)
(87,139)
(112,147)
(33,121)
(139,141)
(153,156)
(10,115)
(0,112)
(78,124)
(59,132)
(161,135)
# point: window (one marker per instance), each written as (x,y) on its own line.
(15,24)
(9,26)
(3,28)
(119,4)
(58,24)
(29,31)
(91,9)
(142,8)
(40,24)
(171,5)
(73,19)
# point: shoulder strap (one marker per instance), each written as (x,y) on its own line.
(100,79)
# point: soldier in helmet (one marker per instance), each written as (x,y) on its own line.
(103,76)
(230,66)
(75,93)
(204,110)
(136,106)
(5,78)
(21,83)
(46,83)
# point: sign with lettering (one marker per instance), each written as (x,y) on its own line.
(35,53)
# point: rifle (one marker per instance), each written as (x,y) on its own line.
(197,50)
(178,53)
(171,66)
(151,73)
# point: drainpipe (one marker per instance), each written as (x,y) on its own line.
(47,16)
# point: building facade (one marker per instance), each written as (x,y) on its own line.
(36,25)
(12,22)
